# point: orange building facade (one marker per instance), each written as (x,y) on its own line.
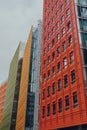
(63,91)
(2,99)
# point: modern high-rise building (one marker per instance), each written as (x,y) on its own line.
(2,98)
(12,91)
(28,104)
(63,91)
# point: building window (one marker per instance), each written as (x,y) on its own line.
(48,110)
(52,10)
(69,25)
(71,57)
(54,108)
(48,60)
(65,62)
(75,100)
(61,8)
(60,105)
(44,93)
(68,12)
(59,85)
(52,30)
(56,14)
(67,103)
(65,81)
(44,51)
(57,25)
(62,19)
(58,67)
(58,37)
(58,51)
(48,90)
(44,77)
(53,56)
(48,74)
(53,88)
(53,71)
(44,64)
(63,31)
(73,76)
(70,40)
(48,47)
(53,42)
(43,111)
(64,46)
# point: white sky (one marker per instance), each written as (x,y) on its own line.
(16,18)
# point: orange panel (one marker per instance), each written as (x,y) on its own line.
(22,103)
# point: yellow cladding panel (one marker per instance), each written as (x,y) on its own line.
(21,113)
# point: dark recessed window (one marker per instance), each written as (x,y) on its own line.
(53,88)
(73,77)
(59,67)
(65,81)
(59,85)
(44,77)
(43,111)
(53,71)
(60,105)
(53,56)
(48,110)
(54,108)
(44,93)
(53,42)
(75,100)
(48,91)
(67,103)
(48,74)
(63,31)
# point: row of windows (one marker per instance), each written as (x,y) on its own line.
(60,105)
(59,68)
(62,31)
(64,47)
(59,84)
(57,4)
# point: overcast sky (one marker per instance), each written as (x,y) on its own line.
(16,18)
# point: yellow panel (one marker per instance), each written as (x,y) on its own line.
(22,103)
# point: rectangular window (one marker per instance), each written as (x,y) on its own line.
(60,105)
(65,81)
(48,91)
(43,111)
(75,100)
(59,85)
(48,110)
(53,88)
(73,76)
(67,104)
(59,67)
(71,57)
(54,108)
(65,62)
(44,94)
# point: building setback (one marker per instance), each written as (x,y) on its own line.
(63,91)
(12,91)
(27,114)
(2,99)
